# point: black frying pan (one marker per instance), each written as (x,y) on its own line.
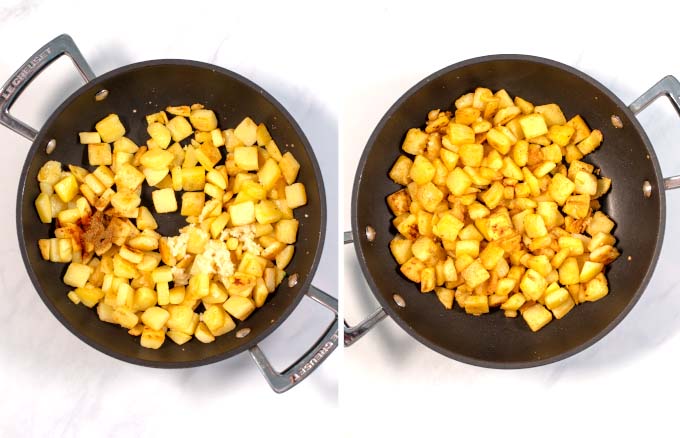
(134,91)
(636,202)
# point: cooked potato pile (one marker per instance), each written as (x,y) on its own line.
(224,264)
(498,209)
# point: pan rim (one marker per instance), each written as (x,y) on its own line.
(307,281)
(391,309)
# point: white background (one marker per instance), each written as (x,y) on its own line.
(392,382)
(54,385)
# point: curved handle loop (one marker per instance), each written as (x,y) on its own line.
(303,367)
(12,89)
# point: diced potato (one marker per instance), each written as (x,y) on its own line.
(77,274)
(533,125)
(44,207)
(551,113)
(110,128)
(160,134)
(66,188)
(296,195)
(569,272)
(89,137)
(286,230)
(155,317)
(152,338)
(242,214)
(475,274)
(192,203)
(246,158)
(158,159)
(203,119)
(590,143)
(536,317)
(164,200)
(533,284)
(476,305)
(239,307)
(596,288)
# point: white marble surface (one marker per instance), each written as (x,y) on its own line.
(54,385)
(392,382)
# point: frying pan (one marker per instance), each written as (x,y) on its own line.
(636,202)
(131,92)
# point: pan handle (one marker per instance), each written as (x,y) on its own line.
(294,374)
(669,87)
(61,45)
(354,333)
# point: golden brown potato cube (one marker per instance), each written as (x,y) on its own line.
(466,116)
(422,171)
(99,154)
(552,114)
(67,188)
(89,137)
(157,159)
(514,302)
(415,142)
(217,320)
(296,195)
(493,196)
(476,305)
(192,203)
(152,338)
(208,155)
(401,249)
(289,167)
(458,134)
(269,174)
(471,154)
(160,134)
(465,100)
(181,319)
(246,131)
(560,188)
(77,274)
(504,115)
(568,271)
(286,230)
(179,128)
(182,110)
(155,317)
(445,296)
(590,143)
(534,226)
(203,334)
(532,285)
(412,269)
(429,196)
(239,307)
(128,177)
(499,141)
(467,247)
(491,255)
(203,119)
(266,212)
(577,206)
(458,181)
(164,200)
(448,226)
(399,202)
(401,170)
(590,270)
(604,254)
(475,274)
(426,250)
(110,128)
(581,130)
(525,106)
(600,223)
(178,338)
(536,317)
(427,280)
(561,134)
(596,288)
(533,125)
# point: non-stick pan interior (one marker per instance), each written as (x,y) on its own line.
(625,156)
(135,91)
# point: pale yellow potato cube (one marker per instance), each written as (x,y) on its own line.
(289,167)
(242,214)
(164,200)
(152,338)
(246,158)
(89,137)
(67,188)
(203,119)
(296,195)
(77,274)
(533,125)
(192,203)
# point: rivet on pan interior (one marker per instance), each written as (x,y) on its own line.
(616,121)
(243,333)
(370,233)
(399,300)
(647,189)
(293,280)
(51,145)
(101,95)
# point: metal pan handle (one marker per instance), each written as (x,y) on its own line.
(294,374)
(354,333)
(61,45)
(669,87)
